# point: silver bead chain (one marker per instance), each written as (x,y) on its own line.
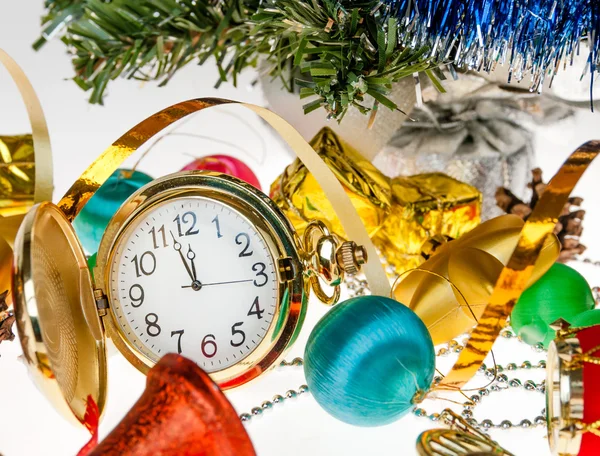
(501,383)
(278,398)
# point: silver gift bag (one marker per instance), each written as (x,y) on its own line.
(482,138)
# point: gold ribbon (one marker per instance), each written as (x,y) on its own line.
(41,144)
(515,275)
(84,188)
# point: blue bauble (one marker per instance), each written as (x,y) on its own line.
(367,359)
(91,222)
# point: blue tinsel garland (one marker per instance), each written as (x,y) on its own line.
(534,37)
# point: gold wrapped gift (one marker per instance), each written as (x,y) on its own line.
(400,214)
(426,206)
(17,186)
(296,191)
(17,174)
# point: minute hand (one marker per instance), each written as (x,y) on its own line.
(220,283)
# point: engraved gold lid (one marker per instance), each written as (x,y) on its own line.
(57,320)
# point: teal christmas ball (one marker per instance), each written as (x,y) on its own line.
(91,222)
(367,359)
(560,293)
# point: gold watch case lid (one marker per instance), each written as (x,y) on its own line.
(57,319)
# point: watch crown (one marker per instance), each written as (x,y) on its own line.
(350,257)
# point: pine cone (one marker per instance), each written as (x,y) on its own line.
(6,319)
(569,227)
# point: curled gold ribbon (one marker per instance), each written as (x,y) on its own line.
(515,275)
(41,145)
(84,188)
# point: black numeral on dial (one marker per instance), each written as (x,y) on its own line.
(244,239)
(163,236)
(255,309)
(187,217)
(218,226)
(136,294)
(146,264)
(178,333)
(235,332)
(209,346)
(153,328)
(261,277)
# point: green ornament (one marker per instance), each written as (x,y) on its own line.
(560,293)
(585,319)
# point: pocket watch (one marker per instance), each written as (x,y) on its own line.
(196,263)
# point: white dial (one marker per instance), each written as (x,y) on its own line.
(193,276)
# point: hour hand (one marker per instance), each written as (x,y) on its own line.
(177,247)
(192,256)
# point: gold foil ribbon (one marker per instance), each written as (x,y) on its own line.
(83,189)
(41,144)
(515,275)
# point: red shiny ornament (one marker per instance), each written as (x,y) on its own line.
(227,165)
(181,412)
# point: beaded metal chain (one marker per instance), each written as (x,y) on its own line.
(501,383)
(278,398)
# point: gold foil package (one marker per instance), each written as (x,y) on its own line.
(400,214)
(296,191)
(17,174)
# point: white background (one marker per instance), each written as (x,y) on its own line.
(79,132)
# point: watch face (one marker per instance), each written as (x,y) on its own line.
(192,275)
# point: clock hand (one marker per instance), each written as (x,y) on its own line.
(218,283)
(177,247)
(192,256)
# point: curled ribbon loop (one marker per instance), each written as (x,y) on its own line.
(9,224)
(515,275)
(84,188)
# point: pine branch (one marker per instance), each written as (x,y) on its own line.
(343,50)
(146,39)
(60,14)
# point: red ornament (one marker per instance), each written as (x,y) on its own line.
(226,165)
(181,412)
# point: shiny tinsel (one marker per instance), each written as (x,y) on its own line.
(533,37)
